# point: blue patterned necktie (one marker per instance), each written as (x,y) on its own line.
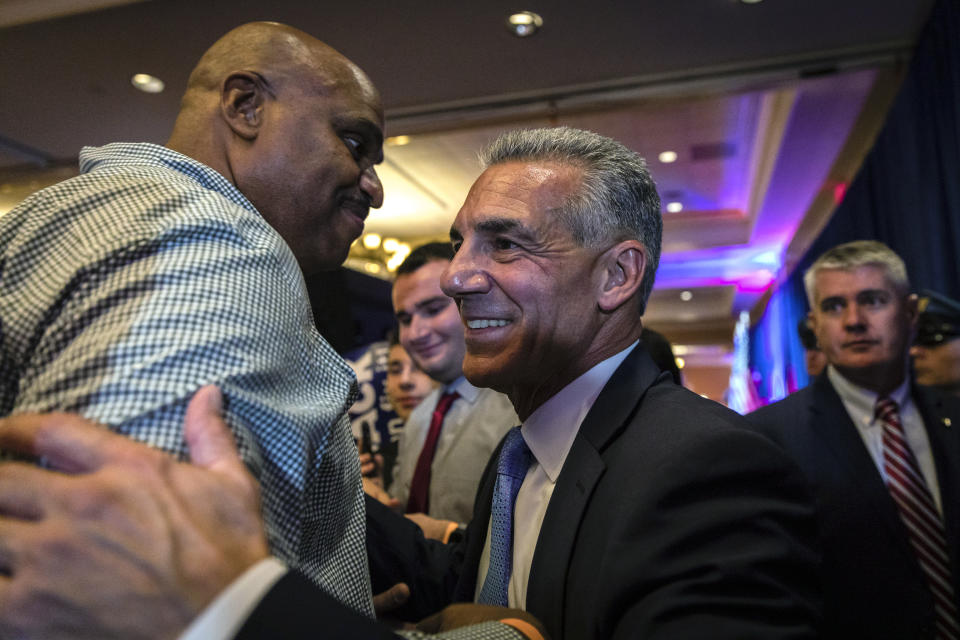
(511,468)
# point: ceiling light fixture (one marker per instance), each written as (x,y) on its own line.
(686,296)
(390,245)
(397,141)
(371,241)
(667,157)
(524,23)
(674,207)
(147,83)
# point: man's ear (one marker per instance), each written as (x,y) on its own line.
(622,268)
(912,309)
(241,103)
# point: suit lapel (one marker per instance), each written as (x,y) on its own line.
(477,531)
(940,418)
(834,427)
(581,471)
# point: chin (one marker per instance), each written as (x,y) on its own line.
(482,374)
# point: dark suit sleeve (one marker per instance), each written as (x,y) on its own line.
(398,552)
(729,547)
(296,608)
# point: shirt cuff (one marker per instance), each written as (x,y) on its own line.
(223,617)
(453,526)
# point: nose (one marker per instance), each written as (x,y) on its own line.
(370,185)
(417,329)
(463,276)
(853,317)
(916,350)
(406,378)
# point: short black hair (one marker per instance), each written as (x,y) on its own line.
(425,253)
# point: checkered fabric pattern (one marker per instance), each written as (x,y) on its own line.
(125,289)
(483,631)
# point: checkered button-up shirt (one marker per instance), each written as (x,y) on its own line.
(125,289)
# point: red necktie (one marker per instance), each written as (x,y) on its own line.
(919,513)
(419,500)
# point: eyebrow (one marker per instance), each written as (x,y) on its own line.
(430,301)
(497,225)
(422,304)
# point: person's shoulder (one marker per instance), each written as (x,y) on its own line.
(490,398)
(790,406)
(674,426)
(669,399)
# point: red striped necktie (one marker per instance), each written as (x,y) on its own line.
(419,500)
(919,513)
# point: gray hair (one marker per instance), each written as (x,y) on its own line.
(617,200)
(855,254)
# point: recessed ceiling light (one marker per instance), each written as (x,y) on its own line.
(524,23)
(397,141)
(674,207)
(371,241)
(147,83)
(667,157)
(686,296)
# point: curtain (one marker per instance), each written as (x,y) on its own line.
(906,194)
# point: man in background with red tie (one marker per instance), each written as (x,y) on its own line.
(880,453)
(449,437)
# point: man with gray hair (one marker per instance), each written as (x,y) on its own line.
(879,453)
(625,505)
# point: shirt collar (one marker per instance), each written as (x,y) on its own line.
(864,400)
(466,390)
(550,430)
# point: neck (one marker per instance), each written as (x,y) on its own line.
(527,399)
(882,380)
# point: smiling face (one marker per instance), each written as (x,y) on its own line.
(430,328)
(310,172)
(526,290)
(863,325)
(406,385)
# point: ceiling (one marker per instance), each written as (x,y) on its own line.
(769,107)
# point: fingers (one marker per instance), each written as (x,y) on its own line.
(208,437)
(13,533)
(23,489)
(68,442)
(394,597)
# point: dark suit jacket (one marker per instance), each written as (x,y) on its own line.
(873,585)
(669,520)
(296,608)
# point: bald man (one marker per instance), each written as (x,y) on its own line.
(160,269)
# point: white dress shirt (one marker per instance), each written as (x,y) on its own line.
(860,405)
(549,432)
(472,429)
(223,617)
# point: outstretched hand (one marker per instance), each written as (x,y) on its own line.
(118,540)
